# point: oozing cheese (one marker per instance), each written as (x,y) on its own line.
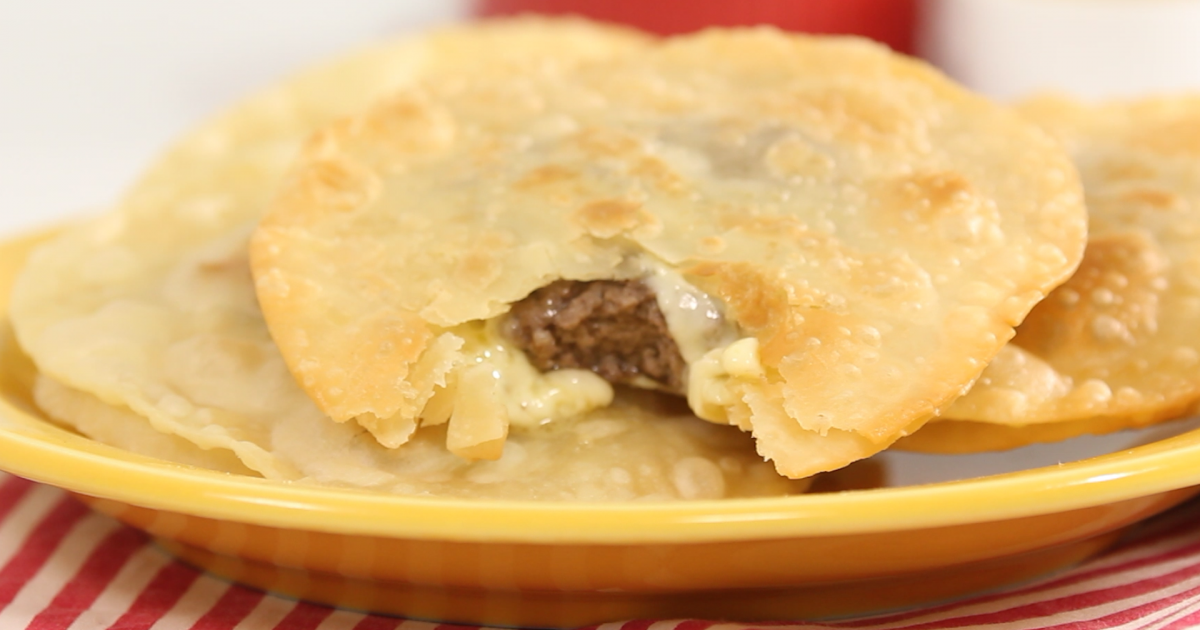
(712,381)
(717,355)
(531,397)
(697,322)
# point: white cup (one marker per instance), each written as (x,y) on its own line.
(1087,48)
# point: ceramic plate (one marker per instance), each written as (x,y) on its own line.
(898,530)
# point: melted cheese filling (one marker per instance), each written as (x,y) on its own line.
(717,354)
(531,397)
(697,322)
(496,386)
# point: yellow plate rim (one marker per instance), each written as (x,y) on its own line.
(79,465)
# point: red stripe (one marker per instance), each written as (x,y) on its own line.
(1164,621)
(234,606)
(1186,622)
(11,492)
(638,624)
(1177,523)
(1180,611)
(376,622)
(1128,614)
(158,597)
(1074,577)
(694,624)
(38,547)
(776,624)
(1067,603)
(304,616)
(90,581)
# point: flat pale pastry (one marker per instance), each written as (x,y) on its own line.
(145,328)
(835,239)
(634,450)
(1115,346)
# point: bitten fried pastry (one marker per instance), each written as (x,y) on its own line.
(815,240)
(146,332)
(1115,346)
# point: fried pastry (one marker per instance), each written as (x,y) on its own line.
(145,329)
(815,240)
(1115,346)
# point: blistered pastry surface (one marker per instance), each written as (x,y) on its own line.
(1115,346)
(877,230)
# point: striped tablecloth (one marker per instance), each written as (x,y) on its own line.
(63,566)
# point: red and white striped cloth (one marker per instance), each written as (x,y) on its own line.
(65,567)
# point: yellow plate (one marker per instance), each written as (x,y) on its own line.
(552,564)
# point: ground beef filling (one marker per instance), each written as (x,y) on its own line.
(613,328)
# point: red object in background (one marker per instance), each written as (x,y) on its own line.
(888,21)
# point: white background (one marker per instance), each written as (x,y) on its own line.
(91,91)
(1092,49)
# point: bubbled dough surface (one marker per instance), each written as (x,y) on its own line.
(145,307)
(877,229)
(1116,345)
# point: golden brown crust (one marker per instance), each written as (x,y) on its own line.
(877,229)
(1114,347)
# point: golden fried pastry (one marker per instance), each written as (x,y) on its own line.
(815,240)
(147,334)
(1115,346)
